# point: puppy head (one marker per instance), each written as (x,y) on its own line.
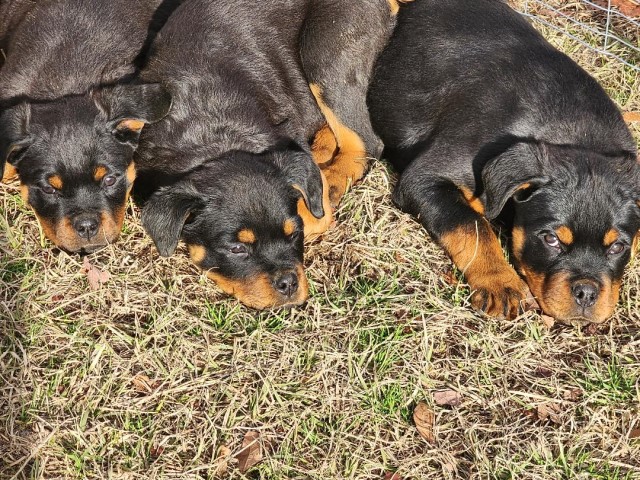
(575,226)
(74,159)
(238,216)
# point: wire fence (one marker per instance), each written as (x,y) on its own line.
(610,28)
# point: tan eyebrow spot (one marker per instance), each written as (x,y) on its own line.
(99,173)
(197,253)
(56,182)
(565,234)
(246,235)
(610,237)
(131,124)
(289,226)
(131,172)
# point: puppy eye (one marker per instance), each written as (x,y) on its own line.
(109,180)
(551,240)
(294,235)
(48,189)
(616,249)
(239,250)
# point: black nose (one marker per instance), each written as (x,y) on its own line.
(585,293)
(86,226)
(286,284)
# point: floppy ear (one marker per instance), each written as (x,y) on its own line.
(303,174)
(165,214)
(131,107)
(516,173)
(14,135)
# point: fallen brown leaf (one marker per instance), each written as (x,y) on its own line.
(399,258)
(95,276)
(630,8)
(143,384)
(251,454)
(548,321)
(530,303)
(551,412)
(543,372)
(392,476)
(222,459)
(635,433)
(425,420)
(156,451)
(447,397)
(573,395)
(450,277)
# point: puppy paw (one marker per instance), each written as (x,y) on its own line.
(499,294)
(342,174)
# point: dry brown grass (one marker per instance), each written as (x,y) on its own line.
(151,375)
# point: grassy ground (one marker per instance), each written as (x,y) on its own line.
(158,375)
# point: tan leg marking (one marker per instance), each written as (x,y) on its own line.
(498,290)
(350,164)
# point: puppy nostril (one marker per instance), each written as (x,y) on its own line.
(286,284)
(86,226)
(585,293)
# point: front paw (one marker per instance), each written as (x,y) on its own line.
(499,294)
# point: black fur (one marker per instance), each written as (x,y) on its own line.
(243,117)
(468,95)
(61,107)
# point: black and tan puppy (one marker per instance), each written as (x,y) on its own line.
(230,168)
(478,111)
(66,127)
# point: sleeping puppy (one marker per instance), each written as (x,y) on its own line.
(230,169)
(67,129)
(480,113)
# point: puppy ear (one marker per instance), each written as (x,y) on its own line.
(165,214)
(14,135)
(516,173)
(130,107)
(303,174)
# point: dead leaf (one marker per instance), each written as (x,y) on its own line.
(543,372)
(222,459)
(392,476)
(630,8)
(143,384)
(251,454)
(399,258)
(530,303)
(631,116)
(447,397)
(156,451)
(95,276)
(573,395)
(548,321)
(425,419)
(551,412)
(449,277)
(635,433)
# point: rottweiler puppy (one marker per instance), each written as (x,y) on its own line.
(230,169)
(67,128)
(480,113)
